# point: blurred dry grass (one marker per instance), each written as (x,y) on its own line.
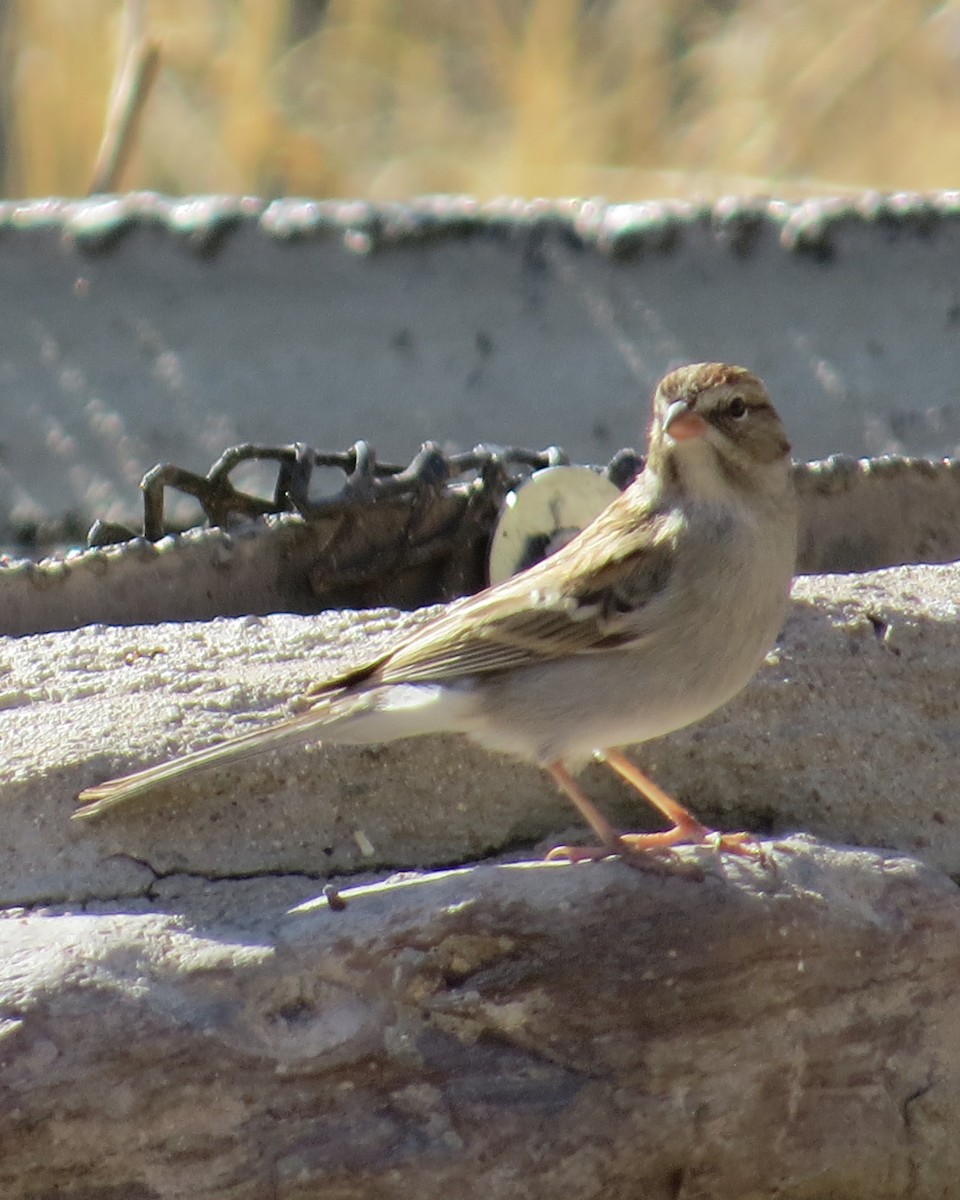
(391,98)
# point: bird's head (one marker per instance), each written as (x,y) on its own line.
(716,419)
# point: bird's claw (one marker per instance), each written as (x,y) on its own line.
(654,861)
(745,845)
(578,854)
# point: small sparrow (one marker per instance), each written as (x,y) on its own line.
(654,615)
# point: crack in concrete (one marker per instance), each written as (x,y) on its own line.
(149,892)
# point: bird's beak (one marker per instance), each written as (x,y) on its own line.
(682,423)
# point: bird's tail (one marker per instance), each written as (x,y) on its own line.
(117,791)
(379,714)
(96,800)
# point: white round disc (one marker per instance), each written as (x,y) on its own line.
(543,514)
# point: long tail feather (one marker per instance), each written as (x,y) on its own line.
(96,800)
(380,714)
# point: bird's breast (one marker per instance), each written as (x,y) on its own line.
(709,631)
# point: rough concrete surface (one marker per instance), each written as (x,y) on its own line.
(173,1025)
(851,732)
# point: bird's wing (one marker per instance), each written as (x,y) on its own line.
(597,594)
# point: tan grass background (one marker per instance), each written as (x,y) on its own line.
(391,98)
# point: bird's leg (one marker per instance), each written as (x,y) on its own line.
(687,830)
(656,859)
(609,838)
(611,842)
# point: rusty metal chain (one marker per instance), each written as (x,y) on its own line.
(495,470)
(394,535)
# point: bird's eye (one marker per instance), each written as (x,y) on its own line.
(737,408)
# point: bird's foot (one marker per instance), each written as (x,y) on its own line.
(655,860)
(692,833)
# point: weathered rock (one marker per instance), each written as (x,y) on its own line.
(782,1030)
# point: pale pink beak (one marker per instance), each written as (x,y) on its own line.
(682,423)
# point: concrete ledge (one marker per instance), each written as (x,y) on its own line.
(850,732)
